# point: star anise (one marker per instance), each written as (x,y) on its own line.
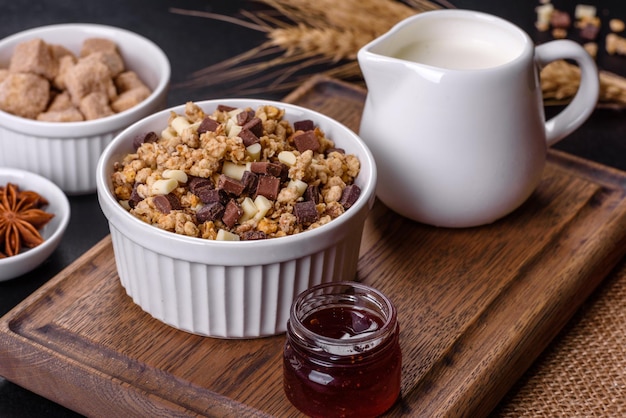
(21,217)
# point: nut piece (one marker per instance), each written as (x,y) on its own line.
(287,157)
(617,25)
(178,175)
(223,235)
(163,186)
(584,11)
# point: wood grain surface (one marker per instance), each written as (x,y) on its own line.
(476,307)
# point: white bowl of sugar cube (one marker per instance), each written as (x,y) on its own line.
(66,90)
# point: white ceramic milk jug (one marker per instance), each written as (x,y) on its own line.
(454,115)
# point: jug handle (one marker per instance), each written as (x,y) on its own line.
(586,98)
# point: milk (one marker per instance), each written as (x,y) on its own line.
(457,54)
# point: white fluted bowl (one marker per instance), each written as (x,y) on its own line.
(229,289)
(67,152)
(52,232)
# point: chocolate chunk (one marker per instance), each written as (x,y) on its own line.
(230,185)
(232,213)
(166,203)
(145,137)
(224,108)
(210,212)
(306,212)
(350,195)
(312,193)
(195,182)
(244,117)
(284,172)
(307,141)
(208,194)
(253,235)
(248,137)
(589,32)
(268,186)
(134,197)
(304,125)
(560,19)
(264,167)
(339,150)
(208,125)
(255,125)
(250,181)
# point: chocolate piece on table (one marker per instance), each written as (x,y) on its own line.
(255,125)
(166,203)
(589,32)
(208,125)
(248,137)
(232,213)
(306,212)
(230,185)
(145,137)
(210,212)
(350,195)
(304,125)
(265,167)
(268,186)
(307,141)
(560,19)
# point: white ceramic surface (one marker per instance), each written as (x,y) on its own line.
(225,289)
(67,152)
(461,142)
(29,259)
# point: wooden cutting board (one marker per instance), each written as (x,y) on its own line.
(476,307)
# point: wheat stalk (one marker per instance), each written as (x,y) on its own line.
(302,34)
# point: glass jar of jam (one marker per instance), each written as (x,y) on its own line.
(342,355)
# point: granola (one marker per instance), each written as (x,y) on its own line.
(236,174)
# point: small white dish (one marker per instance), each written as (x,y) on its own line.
(67,152)
(52,233)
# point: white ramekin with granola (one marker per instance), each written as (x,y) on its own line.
(222,211)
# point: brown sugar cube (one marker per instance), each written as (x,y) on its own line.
(88,77)
(34,56)
(59,51)
(128,80)
(91,45)
(24,94)
(65,63)
(130,98)
(70,114)
(3,74)
(95,105)
(61,101)
(112,60)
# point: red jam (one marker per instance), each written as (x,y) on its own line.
(342,356)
